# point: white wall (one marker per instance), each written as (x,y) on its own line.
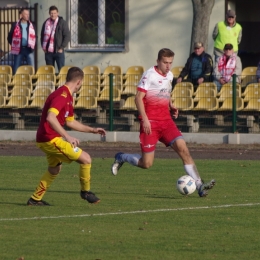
(153,25)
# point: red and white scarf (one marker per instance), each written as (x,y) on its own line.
(227,68)
(17,38)
(49,32)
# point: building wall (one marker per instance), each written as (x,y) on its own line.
(152,25)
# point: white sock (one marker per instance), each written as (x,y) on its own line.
(131,158)
(192,171)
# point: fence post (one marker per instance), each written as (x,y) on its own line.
(111,127)
(234,101)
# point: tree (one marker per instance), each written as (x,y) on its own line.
(201,16)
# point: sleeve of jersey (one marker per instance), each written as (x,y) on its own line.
(143,84)
(70,117)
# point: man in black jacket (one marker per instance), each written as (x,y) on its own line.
(198,67)
(55,36)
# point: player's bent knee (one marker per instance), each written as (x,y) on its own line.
(54,170)
(84,158)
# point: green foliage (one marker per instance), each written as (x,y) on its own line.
(141,215)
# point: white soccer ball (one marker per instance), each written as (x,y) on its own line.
(186,185)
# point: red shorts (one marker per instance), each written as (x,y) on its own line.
(164,131)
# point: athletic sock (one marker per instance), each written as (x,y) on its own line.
(192,171)
(84,176)
(44,184)
(131,158)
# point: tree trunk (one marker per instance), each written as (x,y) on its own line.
(201,16)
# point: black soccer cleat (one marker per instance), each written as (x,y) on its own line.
(32,202)
(89,197)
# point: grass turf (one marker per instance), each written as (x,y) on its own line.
(141,215)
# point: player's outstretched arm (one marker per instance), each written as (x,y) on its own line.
(77,126)
(56,126)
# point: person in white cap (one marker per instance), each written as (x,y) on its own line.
(228,31)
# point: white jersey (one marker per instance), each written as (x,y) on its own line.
(158,89)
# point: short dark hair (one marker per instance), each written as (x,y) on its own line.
(165,53)
(52,8)
(22,9)
(74,73)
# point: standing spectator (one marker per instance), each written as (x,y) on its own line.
(58,145)
(228,31)
(198,67)
(153,101)
(55,36)
(22,38)
(227,65)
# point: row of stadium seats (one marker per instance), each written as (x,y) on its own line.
(92,75)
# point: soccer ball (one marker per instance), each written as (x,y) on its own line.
(186,185)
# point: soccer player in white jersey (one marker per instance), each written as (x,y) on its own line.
(155,113)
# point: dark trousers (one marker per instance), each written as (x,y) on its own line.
(51,57)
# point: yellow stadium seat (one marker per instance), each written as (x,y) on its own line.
(25,69)
(183,103)
(24,84)
(20,91)
(17,102)
(38,102)
(42,92)
(86,103)
(252,93)
(203,92)
(117,77)
(186,85)
(251,87)
(228,104)
(248,76)
(91,76)
(129,90)
(129,104)
(5,78)
(176,71)
(89,91)
(6,73)
(45,84)
(207,104)
(207,85)
(4,90)
(133,76)
(253,105)
(227,91)
(180,92)
(104,94)
(19,78)
(6,69)
(2,101)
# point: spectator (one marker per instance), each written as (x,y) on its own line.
(228,31)
(22,38)
(199,66)
(55,36)
(227,65)
(258,72)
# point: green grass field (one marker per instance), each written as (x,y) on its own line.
(141,215)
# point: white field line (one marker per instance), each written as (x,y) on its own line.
(130,212)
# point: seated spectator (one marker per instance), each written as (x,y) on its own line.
(258,72)
(227,65)
(198,67)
